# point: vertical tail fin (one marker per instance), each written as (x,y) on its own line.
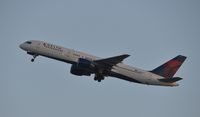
(169,68)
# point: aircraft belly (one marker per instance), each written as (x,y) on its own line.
(125,75)
(135,76)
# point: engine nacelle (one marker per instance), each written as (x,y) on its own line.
(83,67)
(85,64)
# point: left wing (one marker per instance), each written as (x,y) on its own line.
(109,62)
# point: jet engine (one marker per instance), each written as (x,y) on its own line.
(83,67)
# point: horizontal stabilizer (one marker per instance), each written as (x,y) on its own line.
(170,80)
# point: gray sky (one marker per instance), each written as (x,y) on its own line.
(151,31)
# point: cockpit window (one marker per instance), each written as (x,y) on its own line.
(28,42)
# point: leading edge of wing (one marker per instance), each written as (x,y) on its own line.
(112,60)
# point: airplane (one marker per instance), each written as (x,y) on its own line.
(86,64)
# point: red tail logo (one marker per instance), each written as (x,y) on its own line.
(169,68)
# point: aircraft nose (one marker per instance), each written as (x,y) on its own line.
(21,46)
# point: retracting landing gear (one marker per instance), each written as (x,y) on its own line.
(34,56)
(98,77)
(32,60)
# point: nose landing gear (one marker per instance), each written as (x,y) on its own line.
(32,60)
(34,56)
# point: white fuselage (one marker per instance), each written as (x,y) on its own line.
(120,70)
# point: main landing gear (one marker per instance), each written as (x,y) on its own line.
(99,77)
